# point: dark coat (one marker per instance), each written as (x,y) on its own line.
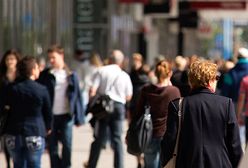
(4,84)
(30,109)
(139,78)
(232,79)
(209,136)
(73,93)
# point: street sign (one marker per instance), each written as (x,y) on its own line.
(90,26)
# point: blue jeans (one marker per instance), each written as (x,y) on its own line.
(62,132)
(114,123)
(85,99)
(152,154)
(25,151)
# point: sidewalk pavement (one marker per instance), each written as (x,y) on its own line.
(82,138)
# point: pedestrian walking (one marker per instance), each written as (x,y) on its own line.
(157,96)
(29,116)
(233,77)
(209,135)
(139,77)
(111,76)
(7,76)
(64,92)
(242,105)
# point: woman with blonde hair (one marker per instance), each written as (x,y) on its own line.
(209,135)
(157,96)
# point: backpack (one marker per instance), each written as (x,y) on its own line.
(139,133)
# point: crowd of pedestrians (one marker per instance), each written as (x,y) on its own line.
(45,102)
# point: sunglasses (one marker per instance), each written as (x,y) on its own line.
(217,77)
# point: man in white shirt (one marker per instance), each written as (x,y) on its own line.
(111,80)
(63,87)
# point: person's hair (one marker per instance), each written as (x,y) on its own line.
(180,62)
(3,66)
(116,57)
(201,72)
(95,59)
(137,56)
(79,52)
(56,48)
(25,67)
(162,70)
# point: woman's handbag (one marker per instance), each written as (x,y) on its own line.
(139,133)
(172,162)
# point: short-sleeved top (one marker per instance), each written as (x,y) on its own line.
(111,80)
(244,90)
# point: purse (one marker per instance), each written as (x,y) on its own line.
(172,162)
(139,133)
(3,118)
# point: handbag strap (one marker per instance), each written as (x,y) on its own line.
(179,126)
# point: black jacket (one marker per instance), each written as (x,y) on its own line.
(30,110)
(209,135)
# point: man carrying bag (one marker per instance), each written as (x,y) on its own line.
(120,92)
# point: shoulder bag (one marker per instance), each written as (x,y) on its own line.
(172,161)
(101,104)
(139,133)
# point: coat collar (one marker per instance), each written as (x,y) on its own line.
(201,90)
(66,68)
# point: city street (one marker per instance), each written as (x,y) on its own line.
(81,146)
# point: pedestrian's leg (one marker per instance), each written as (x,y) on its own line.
(97,144)
(53,139)
(116,128)
(139,161)
(14,145)
(246,130)
(151,154)
(7,156)
(35,146)
(116,132)
(66,140)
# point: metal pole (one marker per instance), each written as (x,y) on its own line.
(53,21)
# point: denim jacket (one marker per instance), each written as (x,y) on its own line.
(73,92)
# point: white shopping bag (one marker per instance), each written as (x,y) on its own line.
(244,160)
